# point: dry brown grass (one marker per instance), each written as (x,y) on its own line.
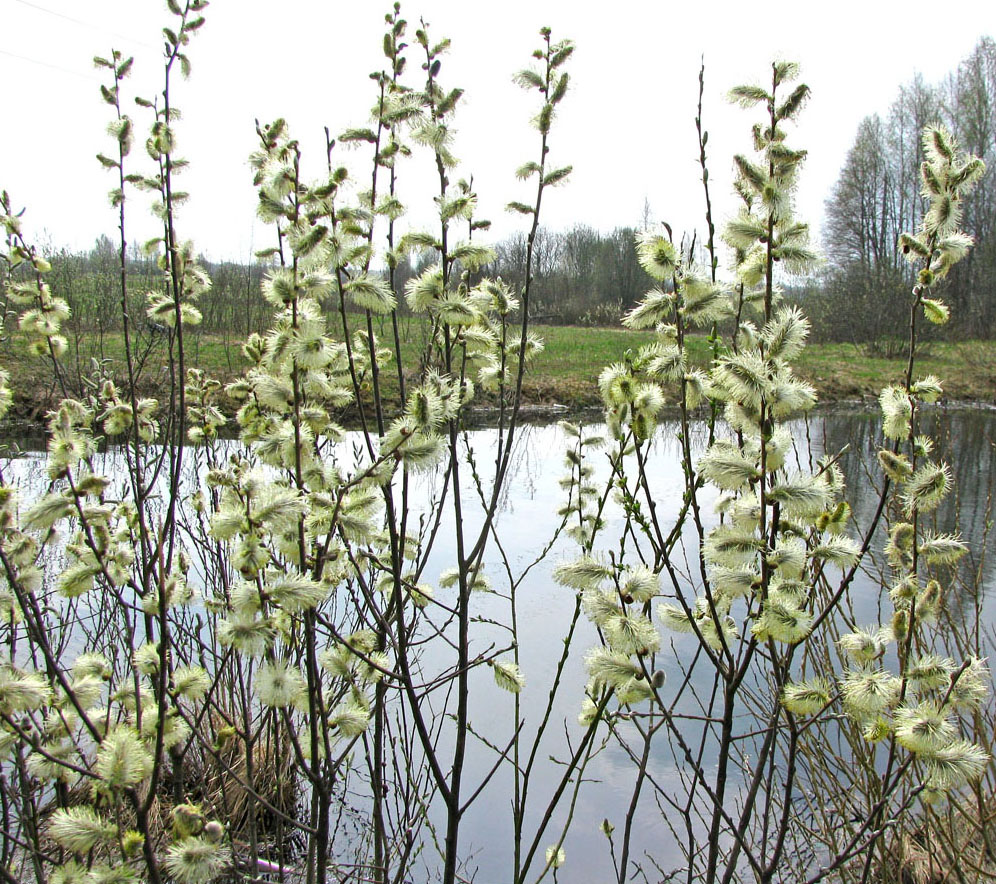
(952,845)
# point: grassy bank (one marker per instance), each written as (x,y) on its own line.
(573,357)
(566,372)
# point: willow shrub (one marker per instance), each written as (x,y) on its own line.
(764,602)
(216,653)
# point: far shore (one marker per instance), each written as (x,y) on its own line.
(563,378)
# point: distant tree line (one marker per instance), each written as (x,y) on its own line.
(879,194)
(90,283)
(583,276)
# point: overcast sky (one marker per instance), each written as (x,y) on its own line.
(627,125)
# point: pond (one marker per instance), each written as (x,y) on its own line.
(528,520)
(965,440)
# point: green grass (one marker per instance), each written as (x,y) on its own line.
(582,352)
(565,372)
(575,356)
(967,369)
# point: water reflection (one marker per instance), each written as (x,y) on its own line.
(526,522)
(964,440)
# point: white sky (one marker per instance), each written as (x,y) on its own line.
(627,125)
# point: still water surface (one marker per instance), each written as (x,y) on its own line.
(964,439)
(526,523)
